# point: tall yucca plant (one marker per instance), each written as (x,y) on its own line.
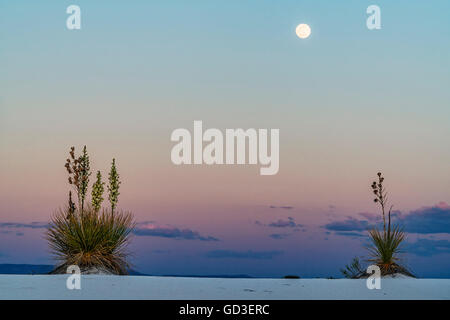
(385,245)
(88,236)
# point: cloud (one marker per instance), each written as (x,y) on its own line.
(280,223)
(435,219)
(219,254)
(349,234)
(351,224)
(282,207)
(428,247)
(18,225)
(370,216)
(279,236)
(152,230)
(427,220)
(8,227)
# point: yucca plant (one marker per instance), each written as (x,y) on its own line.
(90,240)
(354,270)
(385,245)
(385,249)
(93,239)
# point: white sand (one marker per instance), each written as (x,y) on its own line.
(141,287)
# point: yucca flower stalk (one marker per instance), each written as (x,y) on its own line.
(85,173)
(73,169)
(381,197)
(78,169)
(71,208)
(113,187)
(97,192)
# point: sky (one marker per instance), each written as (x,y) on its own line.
(348,102)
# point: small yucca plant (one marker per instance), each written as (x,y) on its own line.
(354,270)
(90,239)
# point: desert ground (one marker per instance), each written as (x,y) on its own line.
(147,287)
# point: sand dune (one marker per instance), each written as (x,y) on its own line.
(143,287)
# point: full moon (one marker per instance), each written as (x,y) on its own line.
(303,31)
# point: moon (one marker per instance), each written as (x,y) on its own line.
(303,31)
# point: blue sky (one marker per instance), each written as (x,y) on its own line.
(348,102)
